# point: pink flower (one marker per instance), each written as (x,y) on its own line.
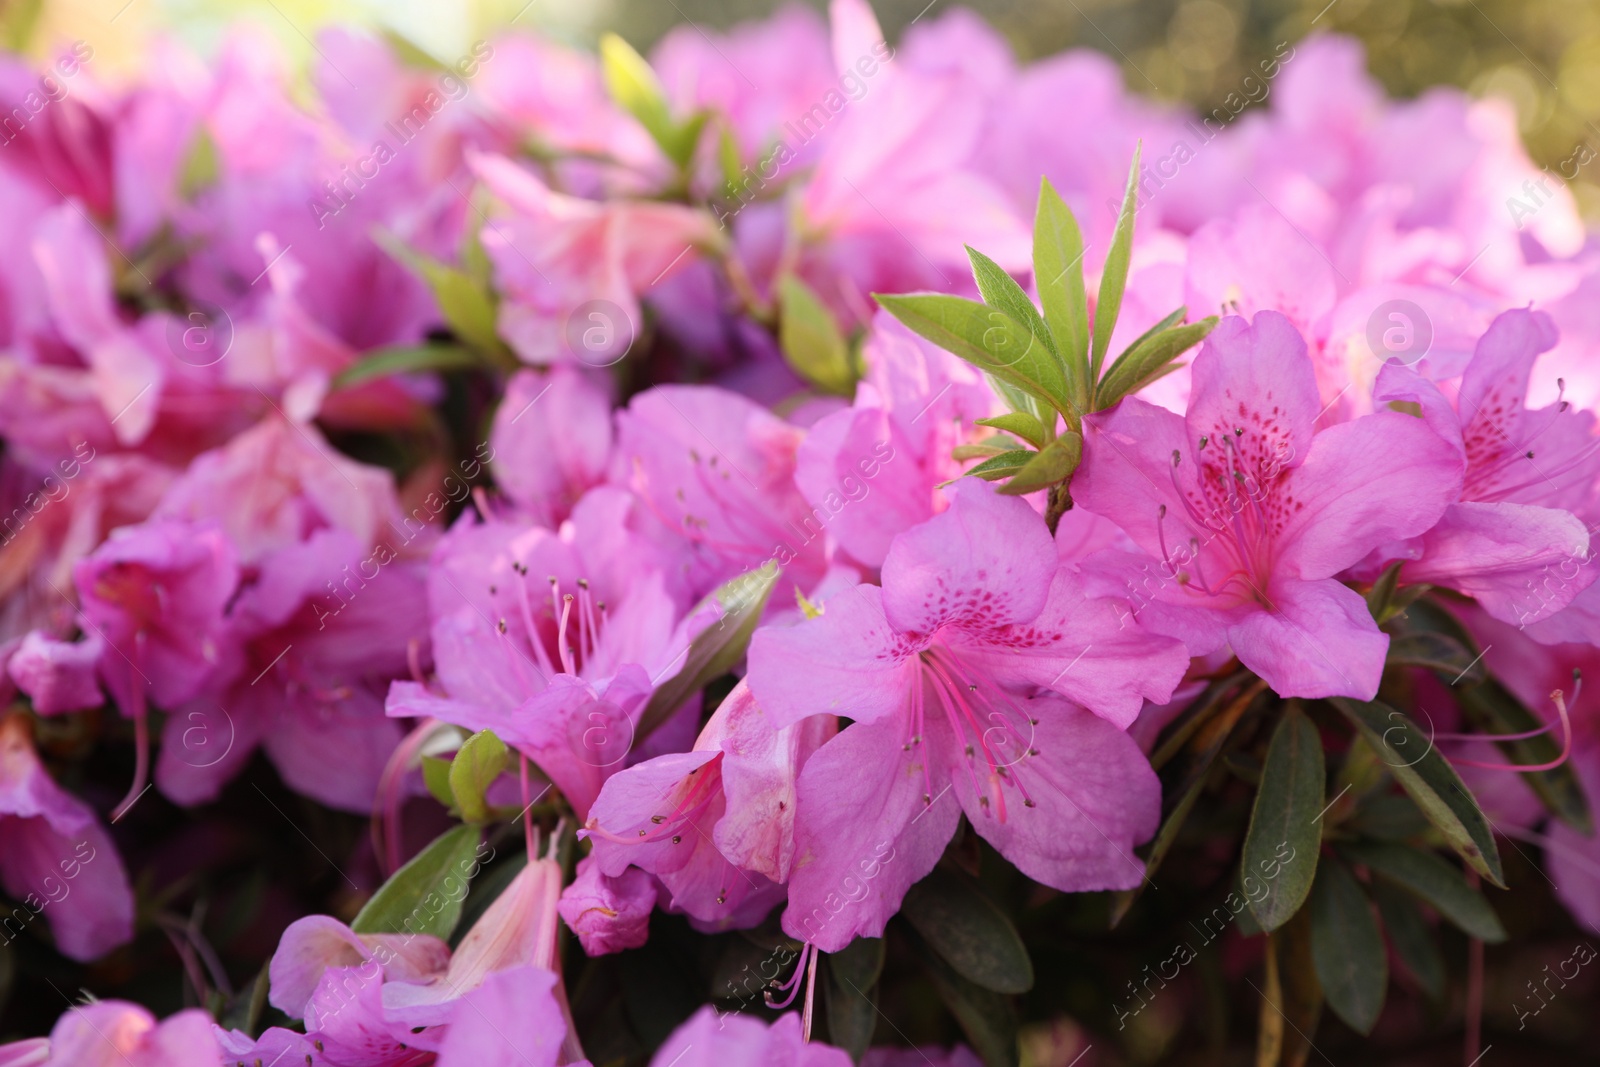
(1516,541)
(712,1040)
(1250,513)
(551,441)
(114,1033)
(54,855)
(938,669)
(608,914)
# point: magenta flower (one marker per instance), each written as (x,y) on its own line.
(1248,513)
(712,1040)
(114,1033)
(1517,541)
(551,441)
(939,669)
(55,857)
(608,914)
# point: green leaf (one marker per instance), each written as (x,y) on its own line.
(1380,598)
(1436,651)
(1173,318)
(1149,360)
(436,776)
(717,648)
(851,995)
(200,167)
(1054,463)
(988,339)
(1000,290)
(1005,465)
(410,359)
(986,1018)
(969,931)
(1388,817)
(1347,947)
(478,763)
(424,896)
(812,341)
(1411,936)
(1430,781)
(637,90)
(1022,423)
(1058,275)
(468,307)
(1435,881)
(1287,814)
(1114,279)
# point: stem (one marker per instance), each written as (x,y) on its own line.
(1060,502)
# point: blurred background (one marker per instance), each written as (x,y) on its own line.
(1541,55)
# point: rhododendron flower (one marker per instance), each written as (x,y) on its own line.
(55,857)
(551,442)
(608,914)
(114,1033)
(712,1040)
(938,669)
(1516,541)
(1250,513)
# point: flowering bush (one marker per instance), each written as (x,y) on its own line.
(829,525)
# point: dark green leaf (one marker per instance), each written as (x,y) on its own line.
(1286,815)
(1435,881)
(965,927)
(478,763)
(1144,363)
(1058,275)
(1388,817)
(1380,598)
(1021,423)
(985,1017)
(1114,278)
(717,648)
(1051,464)
(1436,651)
(1429,780)
(1411,936)
(1347,947)
(851,993)
(410,359)
(812,341)
(988,339)
(424,896)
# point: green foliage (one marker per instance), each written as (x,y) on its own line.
(1287,813)
(424,896)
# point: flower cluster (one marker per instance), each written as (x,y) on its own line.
(735,473)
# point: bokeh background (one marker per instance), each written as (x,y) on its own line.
(1541,55)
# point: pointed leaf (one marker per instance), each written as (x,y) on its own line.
(1173,318)
(1000,290)
(409,359)
(812,341)
(1435,881)
(1430,781)
(986,1018)
(965,927)
(468,308)
(1021,423)
(1058,276)
(1287,814)
(1052,464)
(1411,937)
(478,763)
(851,994)
(1005,465)
(988,339)
(1347,947)
(716,649)
(424,896)
(436,776)
(1436,651)
(636,89)
(1114,279)
(1150,360)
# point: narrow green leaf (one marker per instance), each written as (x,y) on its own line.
(1000,290)
(851,994)
(1146,362)
(200,167)
(478,763)
(812,341)
(1058,275)
(424,896)
(1053,463)
(988,339)
(1114,279)
(1005,465)
(717,648)
(1413,939)
(436,776)
(1173,318)
(1388,817)
(1286,815)
(1347,947)
(1435,881)
(1022,423)
(410,359)
(1380,598)
(468,307)
(636,89)
(986,1018)
(965,927)
(1429,780)
(1436,651)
